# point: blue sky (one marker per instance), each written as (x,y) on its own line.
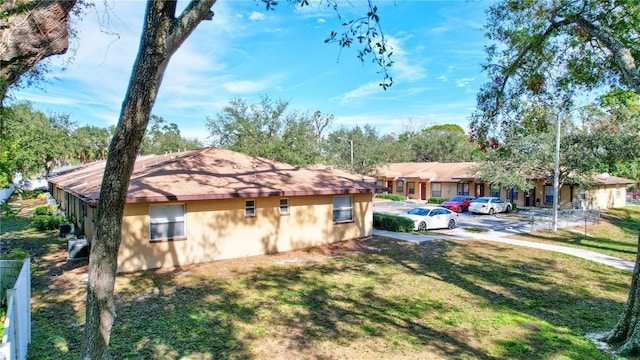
(248,52)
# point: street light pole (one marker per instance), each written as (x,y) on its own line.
(556,177)
(351,148)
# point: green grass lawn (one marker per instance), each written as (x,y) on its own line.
(615,235)
(375,298)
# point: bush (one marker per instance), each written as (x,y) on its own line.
(6,210)
(45,210)
(394,197)
(513,207)
(30,194)
(437,200)
(16,254)
(48,222)
(392,223)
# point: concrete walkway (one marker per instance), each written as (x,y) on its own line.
(501,236)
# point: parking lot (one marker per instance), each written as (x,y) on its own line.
(494,222)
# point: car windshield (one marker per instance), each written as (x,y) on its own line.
(457,198)
(418,211)
(482,200)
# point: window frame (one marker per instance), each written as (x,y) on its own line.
(250,208)
(411,188)
(617,190)
(400,186)
(551,195)
(494,192)
(180,219)
(461,189)
(434,192)
(284,207)
(337,209)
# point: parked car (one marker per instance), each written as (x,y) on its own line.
(458,203)
(489,205)
(432,217)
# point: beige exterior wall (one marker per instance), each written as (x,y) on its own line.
(606,196)
(219,229)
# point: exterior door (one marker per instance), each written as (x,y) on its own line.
(479,190)
(423,191)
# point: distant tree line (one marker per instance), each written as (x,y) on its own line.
(599,138)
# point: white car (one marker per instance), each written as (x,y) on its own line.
(489,205)
(432,217)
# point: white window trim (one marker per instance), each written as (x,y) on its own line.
(350,208)
(286,209)
(182,219)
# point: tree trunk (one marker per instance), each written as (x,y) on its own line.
(162,34)
(626,334)
(30,30)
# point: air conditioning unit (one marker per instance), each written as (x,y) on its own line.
(78,249)
(66,230)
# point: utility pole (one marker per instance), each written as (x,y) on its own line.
(351,148)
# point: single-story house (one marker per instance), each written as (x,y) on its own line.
(424,180)
(211,204)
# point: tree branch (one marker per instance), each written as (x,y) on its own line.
(621,53)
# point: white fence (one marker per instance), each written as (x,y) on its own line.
(6,193)
(15,277)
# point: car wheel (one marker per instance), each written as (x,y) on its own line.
(491,211)
(508,208)
(452,224)
(459,209)
(422,226)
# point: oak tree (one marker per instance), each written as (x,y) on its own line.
(163,32)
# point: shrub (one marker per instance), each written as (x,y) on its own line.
(45,210)
(394,197)
(16,254)
(6,210)
(48,222)
(392,223)
(30,194)
(437,200)
(513,206)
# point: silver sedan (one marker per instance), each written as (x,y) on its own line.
(432,217)
(489,205)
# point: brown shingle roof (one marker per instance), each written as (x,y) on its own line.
(214,173)
(432,171)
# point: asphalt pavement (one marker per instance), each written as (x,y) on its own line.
(498,228)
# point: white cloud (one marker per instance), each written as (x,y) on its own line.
(360,92)
(463,82)
(256,16)
(443,78)
(243,87)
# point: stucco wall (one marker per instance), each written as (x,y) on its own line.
(218,229)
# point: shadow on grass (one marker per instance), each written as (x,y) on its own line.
(390,296)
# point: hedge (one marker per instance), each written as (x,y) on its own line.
(45,210)
(48,222)
(394,197)
(437,200)
(392,223)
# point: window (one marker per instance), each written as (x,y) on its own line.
(583,194)
(513,193)
(548,194)
(284,206)
(463,189)
(411,187)
(400,186)
(494,192)
(166,222)
(342,209)
(250,208)
(617,190)
(436,189)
